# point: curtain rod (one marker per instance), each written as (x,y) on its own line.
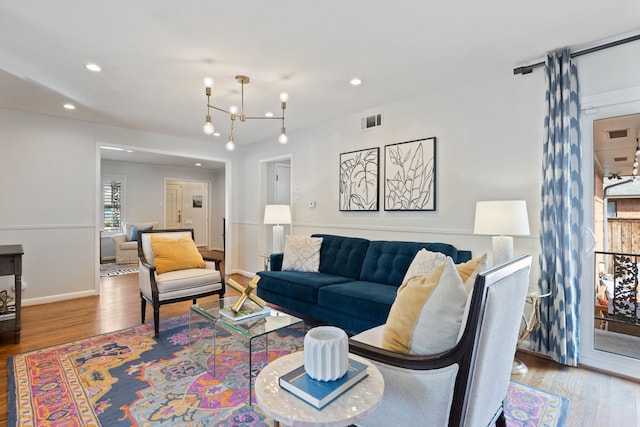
(529,68)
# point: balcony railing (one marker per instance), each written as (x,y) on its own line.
(618,272)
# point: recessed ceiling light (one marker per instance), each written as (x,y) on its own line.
(112,148)
(268,114)
(69,106)
(93,67)
(355,81)
(216,134)
(198,164)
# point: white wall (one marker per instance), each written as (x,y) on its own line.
(218,211)
(489,131)
(50,190)
(489,134)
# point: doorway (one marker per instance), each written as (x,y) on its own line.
(276,189)
(145,200)
(187,206)
(606,167)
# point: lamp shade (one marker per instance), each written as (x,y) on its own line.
(507,218)
(277,214)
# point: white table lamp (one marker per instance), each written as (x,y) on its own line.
(278,215)
(502,219)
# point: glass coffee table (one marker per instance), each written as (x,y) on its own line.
(249,337)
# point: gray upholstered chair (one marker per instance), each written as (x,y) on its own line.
(126,244)
(467,385)
(173,286)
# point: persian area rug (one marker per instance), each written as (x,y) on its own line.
(528,407)
(113,269)
(129,378)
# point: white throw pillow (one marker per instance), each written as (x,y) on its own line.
(302,253)
(424,263)
(427,314)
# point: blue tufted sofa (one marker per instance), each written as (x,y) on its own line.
(356,284)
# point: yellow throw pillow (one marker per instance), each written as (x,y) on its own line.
(470,269)
(175,254)
(427,314)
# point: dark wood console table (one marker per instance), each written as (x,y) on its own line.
(11,264)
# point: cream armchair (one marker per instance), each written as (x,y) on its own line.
(464,386)
(126,244)
(177,278)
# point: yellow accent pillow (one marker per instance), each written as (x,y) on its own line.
(470,269)
(427,314)
(175,254)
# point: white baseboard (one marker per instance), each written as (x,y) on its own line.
(59,297)
(244,273)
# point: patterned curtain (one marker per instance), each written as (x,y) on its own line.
(561,215)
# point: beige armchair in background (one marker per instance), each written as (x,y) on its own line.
(126,244)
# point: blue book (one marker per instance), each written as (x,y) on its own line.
(319,393)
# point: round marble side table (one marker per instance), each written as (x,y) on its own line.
(284,407)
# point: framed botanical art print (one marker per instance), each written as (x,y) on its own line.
(359,180)
(410,175)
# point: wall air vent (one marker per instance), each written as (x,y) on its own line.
(372,121)
(619,133)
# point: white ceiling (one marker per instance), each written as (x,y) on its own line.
(154,54)
(615,155)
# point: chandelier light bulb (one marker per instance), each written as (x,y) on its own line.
(236,112)
(208,126)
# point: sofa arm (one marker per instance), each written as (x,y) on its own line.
(275,261)
(119,238)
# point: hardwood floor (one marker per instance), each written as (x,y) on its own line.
(596,399)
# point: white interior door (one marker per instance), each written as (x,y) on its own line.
(282,191)
(173,213)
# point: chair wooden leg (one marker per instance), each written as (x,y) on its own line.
(156,320)
(143,308)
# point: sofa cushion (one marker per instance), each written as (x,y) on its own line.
(171,254)
(176,284)
(128,246)
(387,261)
(342,256)
(367,300)
(297,284)
(427,314)
(302,253)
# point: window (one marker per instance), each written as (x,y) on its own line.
(612,209)
(112,204)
